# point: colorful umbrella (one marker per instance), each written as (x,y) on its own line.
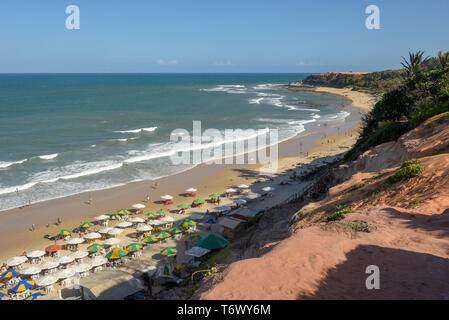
(163,211)
(86,225)
(112,215)
(150,239)
(151,215)
(187,223)
(122,212)
(23,286)
(53,248)
(3,293)
(10,273)
(196,237)
(34,296)
(184,206)
(116,253)
(169,251)
(134,247)
(64,232)
(198,201)
(162,235)
(95,248)
(176,229)
(214,195)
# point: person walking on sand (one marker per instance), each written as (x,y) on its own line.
(155,184)
(148,198)
(90,199)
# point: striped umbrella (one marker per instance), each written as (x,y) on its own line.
(86,225)
(64,232)
(196,237)
(162,235)
(187,223)
(183,206)
(95,248)
(133,247)
(36,295)
(150,239)
(10,273)
(122,212)
(169,251)
(3,293)
(151,215)
(163,211)
(23,286)
(198,201)
(176,229)
(116,253)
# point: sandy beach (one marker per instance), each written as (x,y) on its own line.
(73,210)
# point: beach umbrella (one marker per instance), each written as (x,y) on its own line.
(215,195)
(176,229)
(53,248)
(35,254)
(155,222)
(133,247)
(86,225)
(65,273)
(137,220)
(112,216)
(223,208)
(240,201)
(82,267)
(92,236)
(169,251)
(253,196)
(116,253)
(143,228)
(183,206)
(162,235)
(150,239)
(23,286)
(98,261)
(196,237)
(46,281)
(163,211)
(95,248)
(151,215)
(47,265)
(198,201)
(212,242)
(243,186)
(3,293)
(187,223)
(122,212)
(167,197)
(64,260)
(138,206)
(167,219)
(191,190)
(10,273)
(36,295)
(111,241)
(74,241)
(30,271)
(211,221)
(17,260)
(79,254)
(102,217)
(115,231)
(64,232)
(105,230)
(268,189)
(231,190)
(123,224)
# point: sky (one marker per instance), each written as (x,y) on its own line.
(149,36)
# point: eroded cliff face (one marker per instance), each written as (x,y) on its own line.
(407,238)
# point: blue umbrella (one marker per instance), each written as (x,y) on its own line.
(10,273)
(211,221)
(36,295)
(22,286)
(2,294)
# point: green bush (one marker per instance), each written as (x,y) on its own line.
(338,215)
(409,169)
(421,115)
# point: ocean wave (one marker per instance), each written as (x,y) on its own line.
(255,101)
(228,88)
(150,129)
(267,86)
(4,164)
(49,156)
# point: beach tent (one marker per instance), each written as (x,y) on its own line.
(34,296)
(23,286)
(212,242)
(169,251)
(10,273)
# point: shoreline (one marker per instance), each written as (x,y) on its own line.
(207,178)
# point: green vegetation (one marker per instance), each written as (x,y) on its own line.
(408,170)
(358,226)
(414,203)
(340,211)
(422,94)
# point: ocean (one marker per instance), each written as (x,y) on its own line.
(62,134)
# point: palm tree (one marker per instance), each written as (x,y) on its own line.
(414,62)
(443,59)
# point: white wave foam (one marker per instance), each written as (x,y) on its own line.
(267,86)
(255,101)
(150,129)
(228,88)
(49,156)
(4,164)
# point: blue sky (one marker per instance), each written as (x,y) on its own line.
(217,36)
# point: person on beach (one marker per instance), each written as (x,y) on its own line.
(59,221)
(33,227)
(155,185)
(90,199)
(148,198)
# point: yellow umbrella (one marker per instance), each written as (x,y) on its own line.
(134,247)
(116,253)
(169,251)
(150,239)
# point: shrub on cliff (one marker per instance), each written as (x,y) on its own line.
(409,169)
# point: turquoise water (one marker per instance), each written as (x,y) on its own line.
(63,134)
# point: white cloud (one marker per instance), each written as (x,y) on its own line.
(170,62)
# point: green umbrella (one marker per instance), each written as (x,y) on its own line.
(95,247)
(134,247)
(187,223)
(123,212)
(64,232)
(198,201)
(212,242)
(184,206)
(150,239)
(116,253)
(214,195)
(162,235)
(86,225)
(176,229)
(169,251)
(151,215)
(112,215)
(163,211)
(196,237)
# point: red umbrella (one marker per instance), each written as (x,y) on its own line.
(53,248)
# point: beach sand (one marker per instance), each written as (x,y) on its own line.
(14,224)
